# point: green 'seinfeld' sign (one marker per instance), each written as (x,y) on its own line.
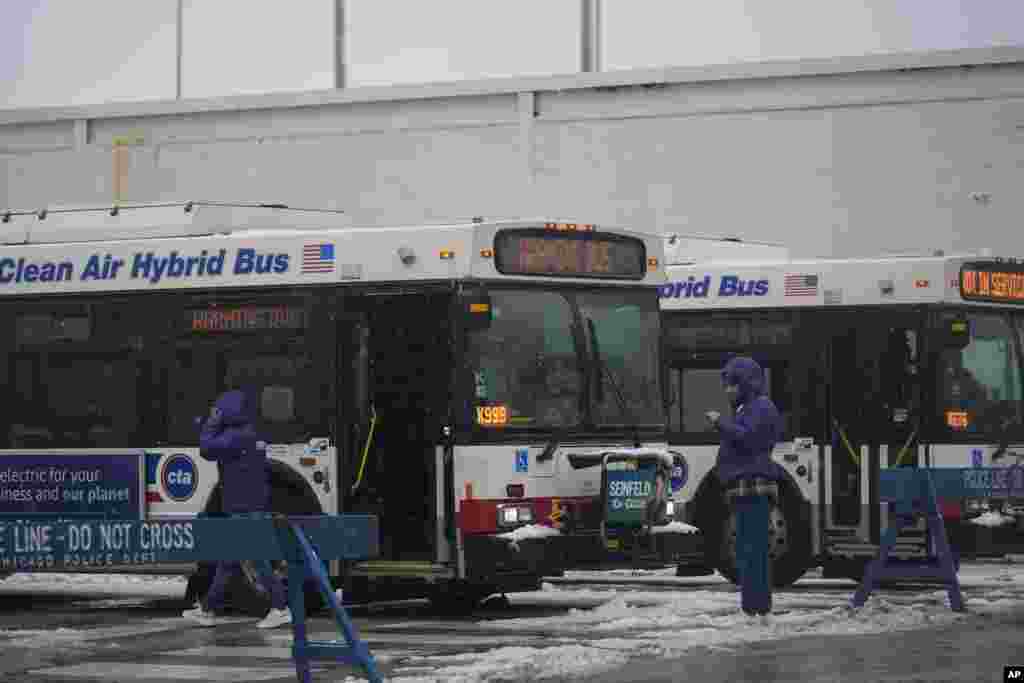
(628,492)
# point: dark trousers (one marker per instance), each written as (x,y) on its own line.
(228,570)
(752,561)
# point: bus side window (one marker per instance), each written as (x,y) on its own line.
(701,391)
(277,403)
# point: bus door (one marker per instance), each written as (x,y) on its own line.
(871,414)
(399,363)
(354,416)
(900,415)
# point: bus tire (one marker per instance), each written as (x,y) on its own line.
(245,593)
(455,599)
(789,540)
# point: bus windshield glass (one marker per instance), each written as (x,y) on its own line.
(567,359)
(980,385)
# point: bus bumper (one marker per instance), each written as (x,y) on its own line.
(489,556)
(653,551)
(628,550)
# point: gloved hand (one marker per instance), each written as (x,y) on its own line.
(211,422)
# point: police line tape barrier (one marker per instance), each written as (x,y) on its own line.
(913,491)
(304,541)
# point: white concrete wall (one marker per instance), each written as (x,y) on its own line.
(847,157)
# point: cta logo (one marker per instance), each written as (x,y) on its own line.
(728,285)
(179,477)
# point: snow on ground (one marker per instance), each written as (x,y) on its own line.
(992,519)
(527,532)
(605,629)
(70,638)
(674,528)
(99,585)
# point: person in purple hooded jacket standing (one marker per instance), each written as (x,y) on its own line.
(229,438)
(749,475)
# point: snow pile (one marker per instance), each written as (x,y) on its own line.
(664,571)
(84,638)
(627,625)
(662,455)
(675,528)
(100,585)
(529,531)
(517,664)
(63,637)
(992,519)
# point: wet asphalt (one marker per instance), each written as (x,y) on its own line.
(972,651)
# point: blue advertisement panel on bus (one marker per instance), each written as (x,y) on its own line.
(89,485)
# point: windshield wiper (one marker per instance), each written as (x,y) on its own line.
(551,446)
(602,371)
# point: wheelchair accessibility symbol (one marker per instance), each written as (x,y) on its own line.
(976,458)
(522,460)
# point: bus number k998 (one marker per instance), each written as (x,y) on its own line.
(492,416)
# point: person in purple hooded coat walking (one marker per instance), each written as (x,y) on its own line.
(749,475)
(229,438)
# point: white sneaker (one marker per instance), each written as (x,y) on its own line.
(207,618)
(194,612)
(275,618)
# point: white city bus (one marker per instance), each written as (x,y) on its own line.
(451,379)
(897,361)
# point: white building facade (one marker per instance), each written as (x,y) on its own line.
(838,157)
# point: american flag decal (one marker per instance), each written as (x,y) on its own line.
(800,285)
(318,258)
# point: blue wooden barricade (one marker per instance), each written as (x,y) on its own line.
(304,541)
(916,491)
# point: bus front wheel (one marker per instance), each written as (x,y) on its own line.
(245,592)
(456,599)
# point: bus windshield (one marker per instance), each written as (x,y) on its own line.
(567,359)
(980,385)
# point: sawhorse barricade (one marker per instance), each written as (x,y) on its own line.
(304,541)
(912,491)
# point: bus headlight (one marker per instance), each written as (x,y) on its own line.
(514,515)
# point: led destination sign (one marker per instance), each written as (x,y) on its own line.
(994,282)
(245,318)
(535,251)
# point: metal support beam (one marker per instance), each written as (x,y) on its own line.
(81,134)
(339,44)
(526,105)
(590,35)
(177,51)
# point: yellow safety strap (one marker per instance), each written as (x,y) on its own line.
(906,446)
(366,448)
(846,442)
